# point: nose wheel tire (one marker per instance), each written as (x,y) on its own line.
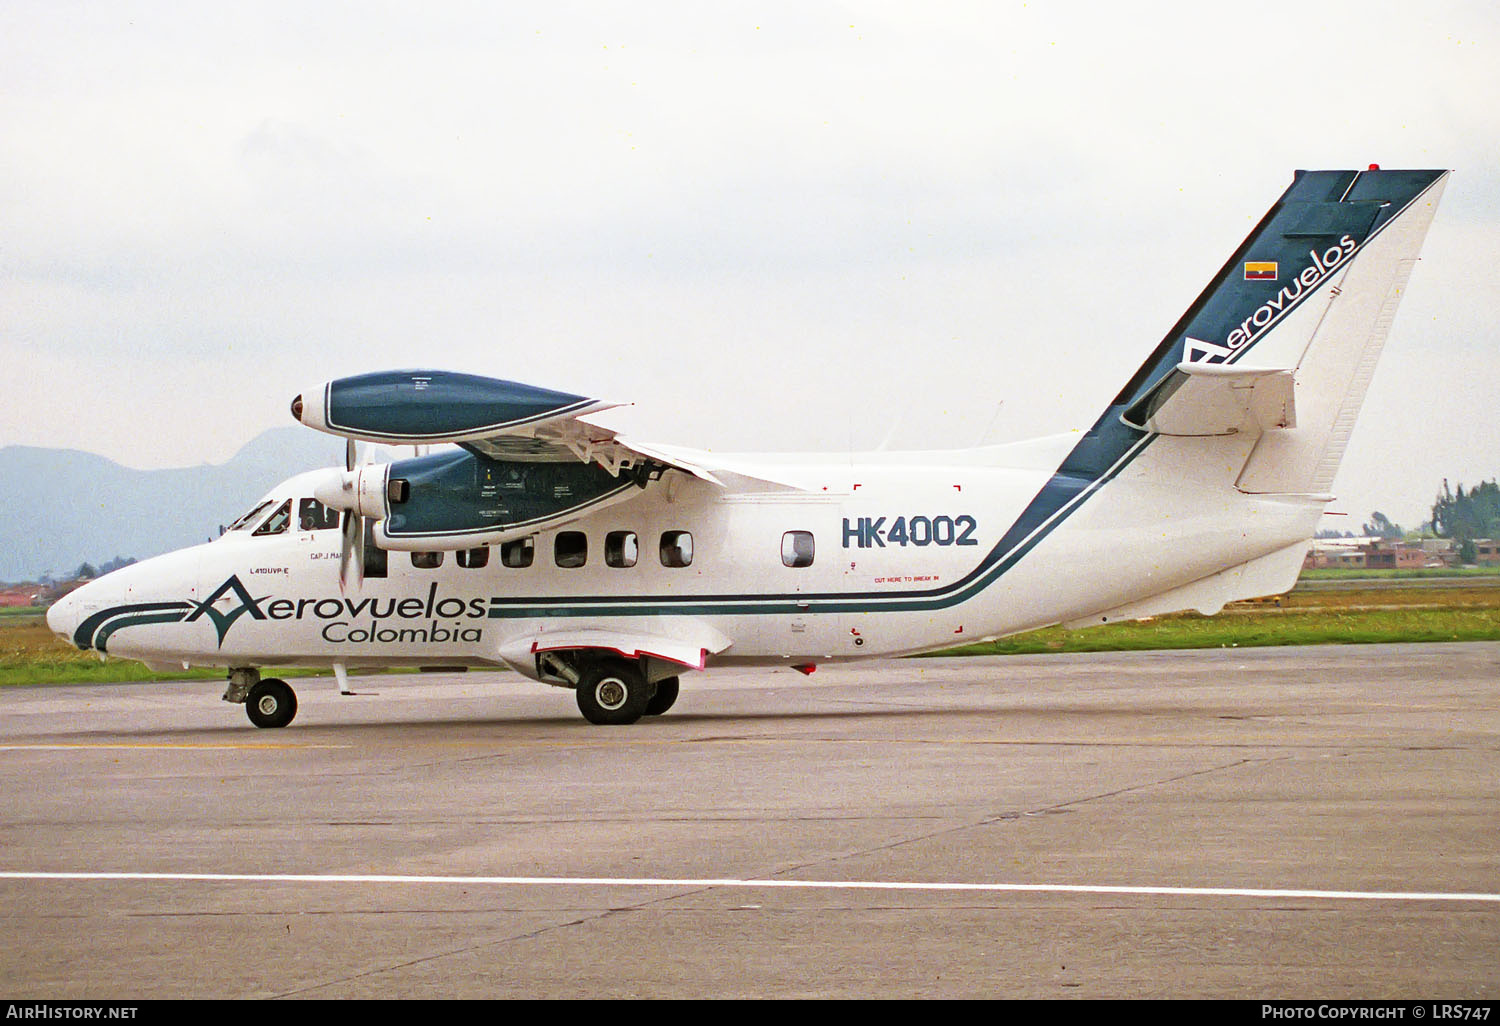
(271,703)
(612,695)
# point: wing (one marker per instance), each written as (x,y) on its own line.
(501,420)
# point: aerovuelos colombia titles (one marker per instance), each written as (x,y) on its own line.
(360,620)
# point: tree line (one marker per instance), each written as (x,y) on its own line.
(1466,516)
(1460,515)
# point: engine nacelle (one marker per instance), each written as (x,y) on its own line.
(421,407)
(363,491)
(459,500)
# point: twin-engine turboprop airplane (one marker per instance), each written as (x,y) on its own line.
(585,560)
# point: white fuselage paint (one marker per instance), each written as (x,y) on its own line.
(1168,517)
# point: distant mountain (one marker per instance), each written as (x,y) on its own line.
(63,507)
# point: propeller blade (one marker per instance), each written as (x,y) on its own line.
(351,544)
(359,552)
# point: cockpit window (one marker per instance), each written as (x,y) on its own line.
(250,518)
(276,522)
(312,515)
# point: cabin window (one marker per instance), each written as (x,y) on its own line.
(312,515)
(571,549)
(676,548)
(518,553)
(426,560)
(621,548)
(473,559)
(250,518)
(797,548)
(276,522)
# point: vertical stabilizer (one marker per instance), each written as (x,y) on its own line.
(1312,290)
(1336,343)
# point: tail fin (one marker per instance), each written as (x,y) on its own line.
(1278,350)
(1285,338)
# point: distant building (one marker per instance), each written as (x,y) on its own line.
(1371,554)
(1440,551)
(52,592)
(1394,555)
(19,595)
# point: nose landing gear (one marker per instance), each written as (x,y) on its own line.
(268,703)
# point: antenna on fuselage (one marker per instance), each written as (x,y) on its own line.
(984,436)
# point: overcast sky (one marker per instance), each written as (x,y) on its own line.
(770,226)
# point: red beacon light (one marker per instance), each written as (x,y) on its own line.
(1374,167)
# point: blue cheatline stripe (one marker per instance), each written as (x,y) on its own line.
(138,620)
(83,637)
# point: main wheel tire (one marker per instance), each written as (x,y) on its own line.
(613,694)
(666,694)
(271,703)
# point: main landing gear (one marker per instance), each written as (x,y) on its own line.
(616,692)
(268,703)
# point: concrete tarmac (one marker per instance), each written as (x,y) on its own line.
(1298,822)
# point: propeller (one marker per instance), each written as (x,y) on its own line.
(351,531)
(360,494)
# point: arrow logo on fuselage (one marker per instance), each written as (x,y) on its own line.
(223,621)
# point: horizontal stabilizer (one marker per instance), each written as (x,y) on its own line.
(1215,399)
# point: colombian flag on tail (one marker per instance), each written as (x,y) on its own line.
(1260,270)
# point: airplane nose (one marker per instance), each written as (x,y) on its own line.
(62,617)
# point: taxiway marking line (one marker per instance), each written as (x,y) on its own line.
(753,884)
(188,747)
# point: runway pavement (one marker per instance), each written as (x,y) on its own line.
(1260,823)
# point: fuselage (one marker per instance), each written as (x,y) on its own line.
(815,559)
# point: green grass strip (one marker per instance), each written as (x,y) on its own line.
(1252,630)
